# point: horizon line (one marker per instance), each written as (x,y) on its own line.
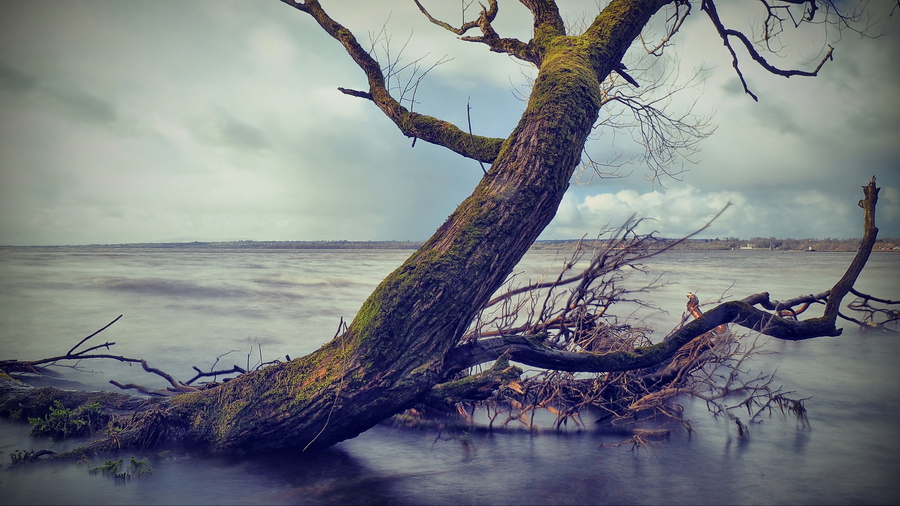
(410,243)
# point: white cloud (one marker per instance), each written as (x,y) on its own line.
(673,212)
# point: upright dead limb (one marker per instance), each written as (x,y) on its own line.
(538,346)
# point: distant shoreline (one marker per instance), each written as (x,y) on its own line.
(728,244)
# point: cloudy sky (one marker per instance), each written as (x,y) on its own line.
(136,121)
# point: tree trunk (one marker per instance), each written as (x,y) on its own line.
(396,349)
(392,353)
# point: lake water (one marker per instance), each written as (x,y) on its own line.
(185,308)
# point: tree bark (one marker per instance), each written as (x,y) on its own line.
(396,349)
(393,352)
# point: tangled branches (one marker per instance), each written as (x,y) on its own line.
(591,360)
(711,367)
(873,317)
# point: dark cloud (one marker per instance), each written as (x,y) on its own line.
(84,107)
(70,102)
(15,80)
(240,134)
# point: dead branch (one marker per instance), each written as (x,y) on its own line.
(864,304)
(645,111)
(514,47)
(411,124)
(140,388)
(564,326)
(870,234)
(176,387)
(201,374)
(488,13)
(31,366)
(709,7)
(676,20)
(72,350)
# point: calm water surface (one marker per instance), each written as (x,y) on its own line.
(185,308)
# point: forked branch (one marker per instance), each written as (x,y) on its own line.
(411,124)
(40,367)
(709,7)
(544,12)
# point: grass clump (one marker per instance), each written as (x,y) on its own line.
(118,470)
(62,421)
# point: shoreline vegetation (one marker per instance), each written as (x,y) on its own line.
(726,244)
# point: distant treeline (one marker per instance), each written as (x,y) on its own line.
(756,243)
(268,245)
(729,243)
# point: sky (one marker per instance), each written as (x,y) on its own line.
(135,121)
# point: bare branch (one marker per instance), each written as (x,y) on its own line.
(489,14)
(411,124)
(669,137)
(682,10)
(92,335)
(514,47)
(709,7)
(870,233)
(201,374)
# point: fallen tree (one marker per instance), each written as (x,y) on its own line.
(563,326)
(409,344)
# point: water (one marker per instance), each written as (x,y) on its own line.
(186,307)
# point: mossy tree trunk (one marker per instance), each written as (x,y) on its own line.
(393,352)
(397,348)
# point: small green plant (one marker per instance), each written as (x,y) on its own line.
(110,466)
(62,421)
(139,467)
(116,470)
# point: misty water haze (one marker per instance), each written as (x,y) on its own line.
(188,307)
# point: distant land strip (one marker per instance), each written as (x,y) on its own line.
(729,243)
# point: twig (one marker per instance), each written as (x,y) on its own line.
(469,119)
(201,374)
(69,353)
